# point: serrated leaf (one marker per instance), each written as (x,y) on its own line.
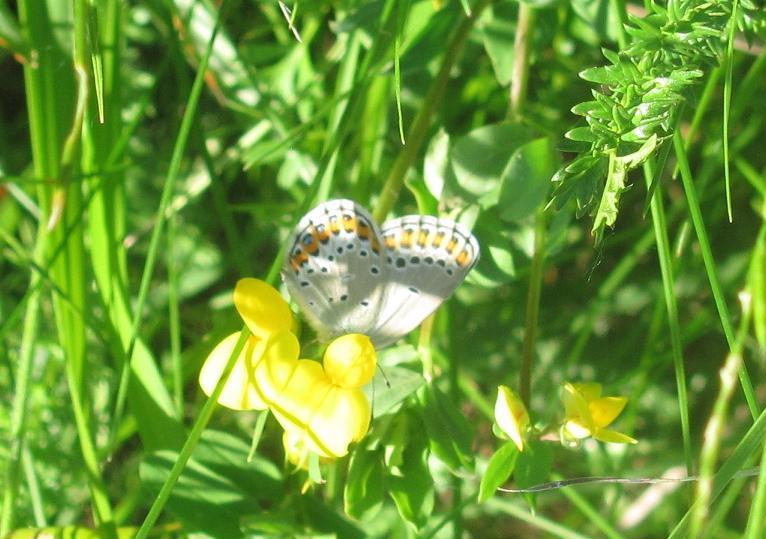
(499,469)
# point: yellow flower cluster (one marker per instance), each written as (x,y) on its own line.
(586,413)
(320,406)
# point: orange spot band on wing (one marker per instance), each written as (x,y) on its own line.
(349,223)
(463,258)
(406,238)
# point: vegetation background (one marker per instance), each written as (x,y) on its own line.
(146,167)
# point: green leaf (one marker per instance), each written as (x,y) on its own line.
(389,388)
(436,164)
(480,157)
(449,433)
(497,35)
(411,486)
(218,485)
(363,492)
(499,469)
(527,179)
(534,464)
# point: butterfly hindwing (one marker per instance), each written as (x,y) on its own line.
(427,258)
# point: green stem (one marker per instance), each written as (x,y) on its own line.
(520,73)
(707,258)
(715,428)
(416,135)
(533,309)
(668,288)
(191,440)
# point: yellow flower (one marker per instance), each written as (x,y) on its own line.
(587,413)
(322,410)
(266,314)
(323,407)
(511,415)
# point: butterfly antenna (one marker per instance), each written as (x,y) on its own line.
(383,374)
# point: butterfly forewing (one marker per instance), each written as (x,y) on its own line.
(335,268)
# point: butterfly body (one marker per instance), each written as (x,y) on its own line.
(349,276)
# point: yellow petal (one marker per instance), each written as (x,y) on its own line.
(575,405)
(613,437)
(589,390)
(261,307)
(277,365)
(606,409)
(511,415)
(238,392)
(349,360)
(343,418)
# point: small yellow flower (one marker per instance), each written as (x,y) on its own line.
(322,409)
(511,415)
(587,413)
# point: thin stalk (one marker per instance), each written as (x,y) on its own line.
(162,214)
(707,257)
(727,105)
(668,287)
(21,396)
(520,70)
(416,135)
(191,440)
(33,484)
(533,309)
(757,516)
(174,326)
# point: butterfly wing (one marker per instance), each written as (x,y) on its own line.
(335,268)
(426,259)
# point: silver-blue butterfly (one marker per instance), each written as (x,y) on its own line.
(349,276)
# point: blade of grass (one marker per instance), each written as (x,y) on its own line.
(751,442)
(191,440)
(715,426)
(727,105)
(707,257)
(668,287)
(161,215)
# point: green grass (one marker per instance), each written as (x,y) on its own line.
(155,152)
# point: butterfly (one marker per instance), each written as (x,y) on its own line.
(349,276)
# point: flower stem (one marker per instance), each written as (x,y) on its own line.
(191,441)
(533,309)
(520,70)
(390,191)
